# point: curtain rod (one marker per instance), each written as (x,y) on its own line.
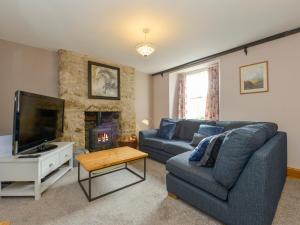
(235,49)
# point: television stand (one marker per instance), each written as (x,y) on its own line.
(32,176)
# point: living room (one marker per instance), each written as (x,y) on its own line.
(138,112)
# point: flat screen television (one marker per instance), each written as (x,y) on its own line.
(38,120)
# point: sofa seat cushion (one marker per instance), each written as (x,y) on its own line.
(177,147)
(155,142)
(201,177)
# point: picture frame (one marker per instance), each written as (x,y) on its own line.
(103,81)
(254,78)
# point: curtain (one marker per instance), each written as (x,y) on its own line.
(212,101)
(182,96)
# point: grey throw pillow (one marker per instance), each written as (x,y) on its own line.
(196,139)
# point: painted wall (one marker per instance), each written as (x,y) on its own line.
(173,95)
(280,104)
(36,70)
(25,68)
(160,99)
(143,87)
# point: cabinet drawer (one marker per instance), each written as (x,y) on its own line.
(50,164)
(66,155)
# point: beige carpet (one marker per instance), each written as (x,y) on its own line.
(146,203)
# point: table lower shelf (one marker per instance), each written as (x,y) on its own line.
(27,188)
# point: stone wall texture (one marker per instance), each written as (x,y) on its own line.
(73,87)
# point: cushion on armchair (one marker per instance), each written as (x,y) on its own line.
(238,146)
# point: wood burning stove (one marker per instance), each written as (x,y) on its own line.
(106,132)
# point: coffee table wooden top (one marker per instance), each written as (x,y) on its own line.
(111,157)
(5,222)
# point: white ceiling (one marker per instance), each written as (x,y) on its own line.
(182,30)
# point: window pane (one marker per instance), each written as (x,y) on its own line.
(197,85)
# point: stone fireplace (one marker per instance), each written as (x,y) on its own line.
(101,130)
(73,87)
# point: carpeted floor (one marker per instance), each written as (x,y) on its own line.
(146,203)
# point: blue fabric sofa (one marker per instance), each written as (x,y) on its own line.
(254,196)
(161,149)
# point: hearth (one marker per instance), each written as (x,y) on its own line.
(102,130)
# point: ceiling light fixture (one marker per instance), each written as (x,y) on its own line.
(146,48)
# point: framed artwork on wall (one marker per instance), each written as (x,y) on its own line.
(103,81)
(254,78)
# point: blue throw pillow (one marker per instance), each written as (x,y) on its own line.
(212,151)
(167,129)
(200,149)
(209,130)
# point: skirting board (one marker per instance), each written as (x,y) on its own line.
(294,173)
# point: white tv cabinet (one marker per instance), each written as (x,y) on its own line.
(27,173)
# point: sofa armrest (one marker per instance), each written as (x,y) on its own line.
(257,191)
(146,134)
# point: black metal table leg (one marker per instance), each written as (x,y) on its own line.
(78,172)
(145,167)
(90,187)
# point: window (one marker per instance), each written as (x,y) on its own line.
(196,90)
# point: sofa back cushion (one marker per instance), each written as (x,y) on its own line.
(186,128)
(209,130)
(236,149)
(229,125)
(196,139)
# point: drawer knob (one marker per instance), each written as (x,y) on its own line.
(66,155)
(51,164)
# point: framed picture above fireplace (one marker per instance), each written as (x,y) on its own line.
(103,81)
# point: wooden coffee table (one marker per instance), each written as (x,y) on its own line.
(107,158)
(5,222)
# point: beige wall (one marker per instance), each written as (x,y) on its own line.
(173,95)
(36,70)
(160,98)
(280,104)
(26,68)
(143,107)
